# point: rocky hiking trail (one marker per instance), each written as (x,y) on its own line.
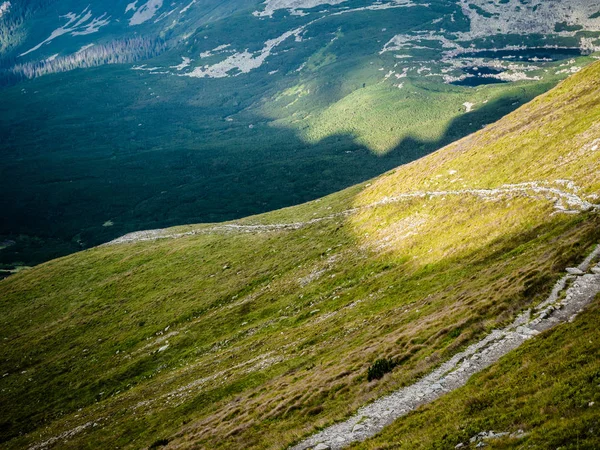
(571,294)
(566,202)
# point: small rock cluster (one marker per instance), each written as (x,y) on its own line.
(480,438)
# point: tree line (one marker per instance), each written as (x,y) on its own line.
(115,52)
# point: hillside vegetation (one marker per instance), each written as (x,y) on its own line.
(254,334)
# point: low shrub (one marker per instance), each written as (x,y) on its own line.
(379,368)
(159,443)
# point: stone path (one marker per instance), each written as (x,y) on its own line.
(570,296)
(567,202)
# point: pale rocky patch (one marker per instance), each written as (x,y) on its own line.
(184,63)
(4,8)
(184,10)
(294,6)
(144,12)
(242,62)
(77,25)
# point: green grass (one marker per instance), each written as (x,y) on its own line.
(270,335)
(548,388)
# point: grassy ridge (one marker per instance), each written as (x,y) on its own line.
(252,340)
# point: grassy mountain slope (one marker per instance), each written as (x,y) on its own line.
(254,335)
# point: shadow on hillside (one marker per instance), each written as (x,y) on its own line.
(82,200)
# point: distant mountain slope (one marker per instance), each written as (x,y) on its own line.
(32,30)
(256,333)
(37,29)
(119,116)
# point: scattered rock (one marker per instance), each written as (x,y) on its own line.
(574,271)
(488,435)
(518,435)
(322,446)
(357,428)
